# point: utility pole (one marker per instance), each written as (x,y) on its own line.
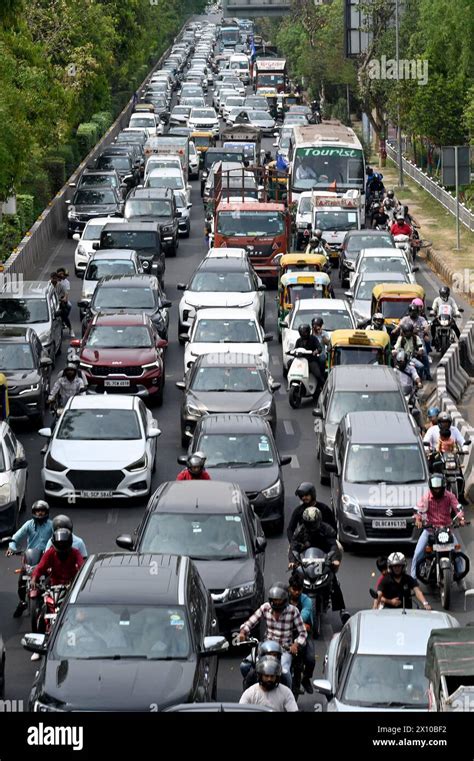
(399,129)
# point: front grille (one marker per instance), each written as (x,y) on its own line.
(95,480)
(381,512)
(265,250)
(390,533)
(102,371)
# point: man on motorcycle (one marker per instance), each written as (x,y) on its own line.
(36,532)
(406,371)
(380,218)
(444,298)
(64,521)
(309,341)
(313,532)
(432,416)
(269,692)
(391,204)
(323,337)
(281,619)
(303,603)
(317,243)
(420,328)
(68,385)
(61,562)
(268,648)
(394,591)
(400,227)
(306,491)
(194,470)
(435,508)
(445,425)
(411,344)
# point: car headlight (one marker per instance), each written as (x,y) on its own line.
(85,365)
(193,410)
(272,491)
(140,464)
(350,505)
(52,464)
(5,494)
(244,590)
(167,229)
(262,410)
(151,365)
(81,250)
(30,390)
(71,213)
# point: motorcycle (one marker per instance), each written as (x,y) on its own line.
(30,559)
(301,383)
(403,243)
(248,668)
(53,597)
(315,569)
(449,464)
(436,568)
(444,333)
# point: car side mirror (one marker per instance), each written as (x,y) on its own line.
(268,337)
(182,287)
(318,413)
(46,362)
(19,463)
(214,645)
(262,287)
(282,323)
(349,295)
(166,304)
(75,343)
(275,386)
(182,459)
(189,205)
(286,459)
(183,337)
(152,432)
(46,432)
(323,686)
(96,245)
(260,544)
(35,643)
(125,541)
(415,269)
(181,385)
(83,304)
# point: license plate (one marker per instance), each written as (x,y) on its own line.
(115,383)
(389,524)
(443,547)
(96,494)
(318,426)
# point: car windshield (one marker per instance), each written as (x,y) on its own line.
(114,162)
(343,402)
(144,207)
(108,267)
(383,264)
(336,220)
(364,290)
(236,450)
(305,205)
(376,463)
(358,242)
(100,425)
(158,632)
(295,119)
(203,113)
(124,298)
(23,311)
(162,163)
(194,102)
(92,231)
(358,355)
(130,239)
(104,180)
(333,319)
(174,181)
(93,197)
(226,331)
(181,110)
(207,537)
(260,116)
(255,102)
(119,337)
(16,357)
(221,282)
(387,681)
(234,100)
(245,223)
(395,309)
(236,379)
(300,292)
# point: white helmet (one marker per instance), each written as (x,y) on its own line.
(397,558)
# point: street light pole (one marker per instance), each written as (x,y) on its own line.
(399,129)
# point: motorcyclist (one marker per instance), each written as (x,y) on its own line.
(432,416)
(408,218)
(309,341)
(306,491)
(407,374)
(74,359)
(317,243)
(304,605)
(445,425)
(269,648)
(380,218)
(391,204)
(411,344)
(395,589)
(36,532)
(400,227)
(194,470)
(435,508)
(61,562)
(317,329)
(444,298)
(269,692)
(313,532)
(64,521)
(377,322)
(68,385)
(280,619)
(420,328)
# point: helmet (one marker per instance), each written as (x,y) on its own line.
(304,331)
(407,329)
(312,517)
(396,558)
(369,170)
(196,462)
(40,506)
(62,540)
(413,310)
(70,367)
(433,412)
(74,359)
(318,233)
(317,321)
(400,218)
(445,421)
(62,521)
(278,591)
(437,484)
(401,360)
(270,647)
(271,667)
(444,292)
(378,320)
(306,489)
(417,303)
(390,194)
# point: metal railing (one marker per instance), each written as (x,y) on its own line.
(433,187)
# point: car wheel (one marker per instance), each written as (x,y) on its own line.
(188,232)
(323,477)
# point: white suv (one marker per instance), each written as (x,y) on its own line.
(13,476)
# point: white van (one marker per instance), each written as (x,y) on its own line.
(239,64)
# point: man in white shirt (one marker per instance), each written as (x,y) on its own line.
(432,435)
(268,691)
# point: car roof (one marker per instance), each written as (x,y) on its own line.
(29,289)
(15,333)
(386,253)
(230,358)
(165,194)
(226,253)
(381,427)
(316,305)
(234,423)
(217,264)
(121,578)
(382,277)
(105,221)
(102,401)
(113,253)
(356,378)
(190,496)
(122,318)
(365,231)
(226,313)
(131,226)
(393,632)
(253,205)
(129,281)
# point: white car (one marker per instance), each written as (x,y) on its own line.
(193,161)
(107,264)
(161,161)
(388,260)
(203,119)
(90,235)
(13,477)
(168,178)
(180,115)
(216,330)
(103,446)
(221,283)
(336,313)
(144,120)
(230,102)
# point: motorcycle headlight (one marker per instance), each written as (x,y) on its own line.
(244,590)
(350,505)
(450,465)
(5,494)
(443,537)
(272,491)
(52,464)
(262,410)
(138,465)
(30,390)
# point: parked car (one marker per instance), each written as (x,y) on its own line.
(27,368)
(37,305)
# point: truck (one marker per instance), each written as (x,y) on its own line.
(449,668)
(335,215)
(270,72)
(247,138)
(170,145)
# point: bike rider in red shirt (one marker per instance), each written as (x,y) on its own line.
(195,470)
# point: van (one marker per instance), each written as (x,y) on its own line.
(239,64)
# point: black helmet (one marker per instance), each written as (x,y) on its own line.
(305,489)
(268,666)
(381,563)
(390,194)
(278,592)
(407,329)
(401,360)
(62,540)
(317,321)
(437,484)
(369,170)
(62,521)
(445,421)
(40,506)
(312,518)
(444,292)
(304,331)
(413,309)
(196,462)
(270,647)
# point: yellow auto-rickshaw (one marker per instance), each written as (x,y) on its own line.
(295,286)
(287,99)
(393,299)
(301,262)
(4,402)
(359,347)
(203,140)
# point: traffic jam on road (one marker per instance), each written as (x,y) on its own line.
(224,485)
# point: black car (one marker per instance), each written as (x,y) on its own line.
(91,201)
(103,179)
(156,205)
(27,368)
(135,633)
(131,293)
(142,237)
(353,243)
(241,449)
(126,158)
(212,523)
(223,383)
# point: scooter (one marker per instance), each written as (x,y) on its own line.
(403,243)
(301,383)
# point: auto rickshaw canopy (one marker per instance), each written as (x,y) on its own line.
(203,140)
(294,262)
(359,347)
(450,652)
(393,299)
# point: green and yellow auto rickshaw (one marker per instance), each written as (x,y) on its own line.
(359,347)
(294,286)
(277,183)
(393,299)
(203,140)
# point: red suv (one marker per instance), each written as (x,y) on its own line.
(123,353)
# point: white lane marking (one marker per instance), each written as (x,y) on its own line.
(112,517)
(288,426)
(294,462)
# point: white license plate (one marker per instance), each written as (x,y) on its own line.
(120,383)
(389,524)
(96,494)
(443,547)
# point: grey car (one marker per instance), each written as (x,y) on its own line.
(37,305)
(351,388)
(379,474)
(92,201)
(361,294)
(226,383)
(27,368)
(354,242)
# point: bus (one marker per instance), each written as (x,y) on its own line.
(229,34)
(327,156)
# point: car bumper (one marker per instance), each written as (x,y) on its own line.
(231,614)
(7,519)
(130,486)
(354,529)
(265,270)
(76,225)
(147,386)
(183,226)
(25,406)
(268,510)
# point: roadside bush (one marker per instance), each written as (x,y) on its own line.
(87,135)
